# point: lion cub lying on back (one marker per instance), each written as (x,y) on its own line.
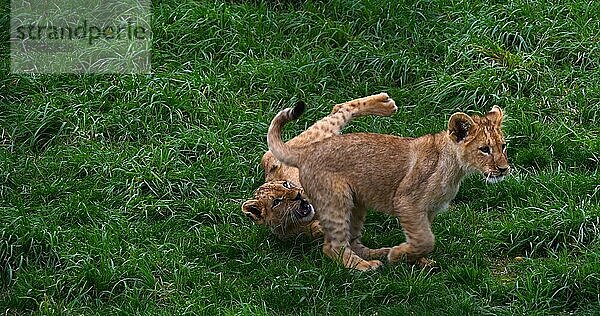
(411,178)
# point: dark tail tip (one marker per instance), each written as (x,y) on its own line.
(298,109)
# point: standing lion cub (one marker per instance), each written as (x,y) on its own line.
(411,178)
(279,203)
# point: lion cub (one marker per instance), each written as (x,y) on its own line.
(411,178)
(279,203)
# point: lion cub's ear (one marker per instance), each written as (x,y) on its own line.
(270,165)
(495,115)
(459,126)
(252,209)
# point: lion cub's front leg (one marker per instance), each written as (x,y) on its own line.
(314,229)
(419,238)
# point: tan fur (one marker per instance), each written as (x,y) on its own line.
(282,182)
(411,178)
(281,206)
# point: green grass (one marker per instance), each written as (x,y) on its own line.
(121,194)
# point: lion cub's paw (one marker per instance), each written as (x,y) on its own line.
(378,104)
(385,105)
(368,265)
(398,253)
(315,229)
(380,253)
(425,263)
(381,97)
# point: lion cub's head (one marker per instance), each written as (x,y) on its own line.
(481,144)
(281,206)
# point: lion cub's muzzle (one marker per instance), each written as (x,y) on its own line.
(498,174)
(500,171)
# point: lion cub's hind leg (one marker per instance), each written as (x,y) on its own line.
(335,204)
(342,113)
(356,225)
(378,104)
(337,244)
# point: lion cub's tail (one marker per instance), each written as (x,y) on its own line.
(280,150)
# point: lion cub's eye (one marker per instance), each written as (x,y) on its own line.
(485,149)
(287,185)
(277,202)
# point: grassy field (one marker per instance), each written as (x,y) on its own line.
(121,194)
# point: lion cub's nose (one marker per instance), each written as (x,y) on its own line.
(503,169)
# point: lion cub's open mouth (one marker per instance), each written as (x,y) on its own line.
(491,178)
(494,179)
(305,212)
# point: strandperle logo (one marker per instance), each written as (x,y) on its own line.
(72,36)
(91,33)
